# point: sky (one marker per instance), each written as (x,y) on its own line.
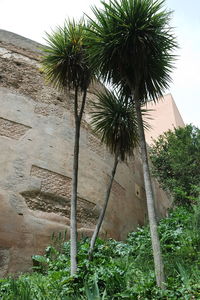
(32,19)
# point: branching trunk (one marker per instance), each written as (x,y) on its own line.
(73,216)
(158,262)
(103,211)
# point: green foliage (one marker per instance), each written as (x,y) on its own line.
(114,120)
(176,162)
(65,61)
(93,293)
(131,45)
(119,270)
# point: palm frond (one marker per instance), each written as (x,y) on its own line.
(131,43)
(65,60)
(114,120)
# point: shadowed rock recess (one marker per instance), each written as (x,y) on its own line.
(36,138)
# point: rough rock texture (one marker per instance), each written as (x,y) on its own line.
(36,138)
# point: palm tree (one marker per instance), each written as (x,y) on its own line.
(132,44)
(115,123)
(66,66)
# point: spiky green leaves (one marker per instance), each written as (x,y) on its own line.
(65,61)
(131,43)
(114,121)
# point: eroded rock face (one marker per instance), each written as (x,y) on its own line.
(4,261)
(36,138)
(23,234)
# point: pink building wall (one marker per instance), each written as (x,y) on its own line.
(164,115)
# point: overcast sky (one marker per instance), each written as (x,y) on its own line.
(32,18)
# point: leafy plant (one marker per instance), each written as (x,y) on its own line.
(119,270)
(92,292)
(176,163)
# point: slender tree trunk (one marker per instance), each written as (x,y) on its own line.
(158,262)
(102,213)
(73,219)
(73,216)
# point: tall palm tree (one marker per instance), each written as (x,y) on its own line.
(131,44)
(66,66)
(115,123)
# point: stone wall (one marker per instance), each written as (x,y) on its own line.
(36,138)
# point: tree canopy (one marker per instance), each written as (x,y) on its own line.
(65,62)
(176,162)
(131,44)
(114,120)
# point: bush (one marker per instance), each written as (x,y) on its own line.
(176,163)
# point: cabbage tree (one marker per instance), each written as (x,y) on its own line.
(131,44)
(66,66)
(114,121)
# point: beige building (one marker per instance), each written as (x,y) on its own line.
(36,138)
(163,115)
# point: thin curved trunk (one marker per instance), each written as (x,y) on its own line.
(103,211)
(73,214)
(158,262)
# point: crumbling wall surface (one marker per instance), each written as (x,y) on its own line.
(36,138)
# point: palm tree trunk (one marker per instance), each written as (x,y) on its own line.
(158,262)
(73,219)
(102,214)
(73,216)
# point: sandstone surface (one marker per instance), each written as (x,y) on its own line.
(36,138)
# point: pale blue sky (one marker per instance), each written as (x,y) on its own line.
(186,79)
(32,18)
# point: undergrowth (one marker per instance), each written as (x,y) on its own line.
(119,270)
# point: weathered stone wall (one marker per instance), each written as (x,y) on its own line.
(36,138)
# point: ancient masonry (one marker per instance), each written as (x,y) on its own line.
(36,138)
